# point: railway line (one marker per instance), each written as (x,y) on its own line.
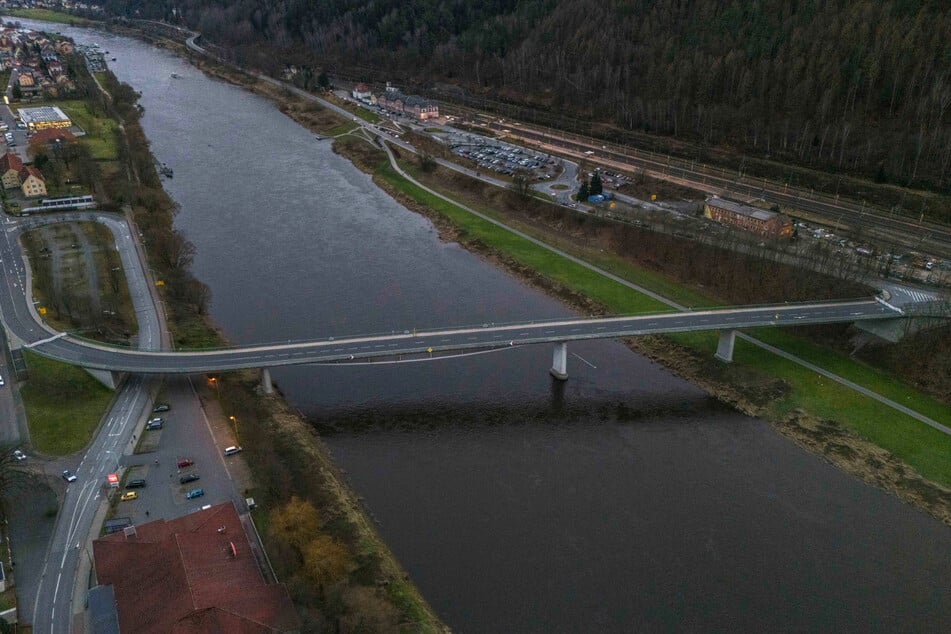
(891,231)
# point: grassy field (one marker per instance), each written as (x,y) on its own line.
(920,446)
(63,405)
(46,15)
(367,115)
(100,129)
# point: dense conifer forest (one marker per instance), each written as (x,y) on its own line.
(859,86)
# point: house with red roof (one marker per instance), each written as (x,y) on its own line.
(10,166)
(32,182)
(193,574)
(51,136)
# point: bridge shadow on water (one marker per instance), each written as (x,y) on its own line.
(557,410)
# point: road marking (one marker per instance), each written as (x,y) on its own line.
(47,340)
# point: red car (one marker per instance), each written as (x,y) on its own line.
(185,462)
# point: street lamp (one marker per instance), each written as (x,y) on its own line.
(234,421)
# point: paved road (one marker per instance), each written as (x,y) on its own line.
(53,603)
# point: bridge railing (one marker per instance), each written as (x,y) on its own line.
(475,326)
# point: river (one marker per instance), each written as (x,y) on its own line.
(622,500)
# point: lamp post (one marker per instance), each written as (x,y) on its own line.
(234,422)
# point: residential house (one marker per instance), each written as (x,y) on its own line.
(10,166)
(32,182)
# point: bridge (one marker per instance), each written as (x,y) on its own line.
(411,343)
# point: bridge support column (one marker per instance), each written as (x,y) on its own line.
(725,346)
(110,379)
(266,384)
(559,361)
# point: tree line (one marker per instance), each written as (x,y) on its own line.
(858,86)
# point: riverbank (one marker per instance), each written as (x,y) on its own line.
(748,389)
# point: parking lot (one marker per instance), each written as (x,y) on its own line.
(189,434)
(502,158)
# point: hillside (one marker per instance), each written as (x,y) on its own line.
(857,86)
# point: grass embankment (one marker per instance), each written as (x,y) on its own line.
(46,15)
(367,115)
(63,405)
(286,458)
(800,402)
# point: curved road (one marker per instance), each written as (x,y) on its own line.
(52,607)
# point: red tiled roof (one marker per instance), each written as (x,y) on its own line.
(181,576)
(50,135)
(10,161)
(28,170)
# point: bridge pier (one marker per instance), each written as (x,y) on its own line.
(559,361)
(725,346)
(110,379)
(266,384)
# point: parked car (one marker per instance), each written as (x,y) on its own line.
(128,495)
(157,419)
(194,493)
(230,451)
(68,476)
(138,483)
(155,425)
(162,407)
(19,455)
(2,383)
(189,477)
(185,462)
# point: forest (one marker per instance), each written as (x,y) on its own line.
(850,86)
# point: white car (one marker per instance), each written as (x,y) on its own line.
(19,455)
(2,383)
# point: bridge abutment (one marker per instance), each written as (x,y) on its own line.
(725,346)
(110,379)
(559,361)
(266,384)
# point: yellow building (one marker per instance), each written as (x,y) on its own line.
(44,117)
(10,166)
(31,182)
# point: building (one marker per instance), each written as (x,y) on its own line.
(196,573)
(27,83)
(411,105)
(10,166)
(760,221)
(361,92)
(32,182)
(51,137)
(44,117)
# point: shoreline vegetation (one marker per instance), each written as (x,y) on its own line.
(375,578)
(321,543)
(746,389)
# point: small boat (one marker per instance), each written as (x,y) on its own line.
(165,170)
(176,76)
(113,59)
